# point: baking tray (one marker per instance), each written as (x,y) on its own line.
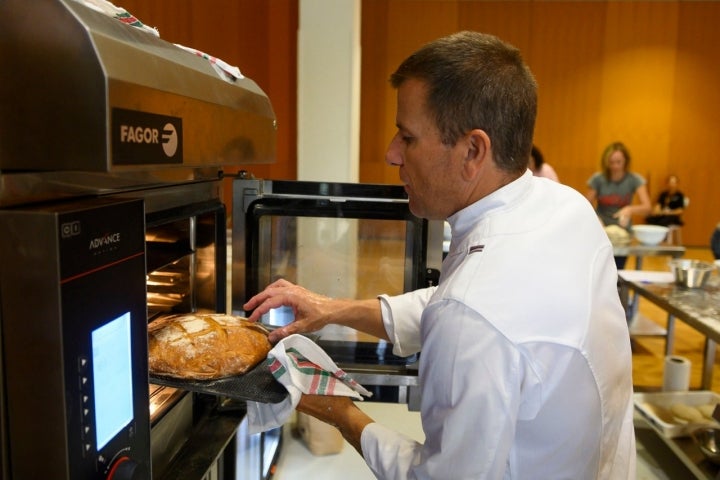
(257,385)
(655,408)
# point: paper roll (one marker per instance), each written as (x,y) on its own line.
(676,375)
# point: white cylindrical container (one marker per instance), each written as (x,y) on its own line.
(676,375)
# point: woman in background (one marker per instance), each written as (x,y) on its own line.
(538,167)
(613,189)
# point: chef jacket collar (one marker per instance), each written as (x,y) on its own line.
(466,220)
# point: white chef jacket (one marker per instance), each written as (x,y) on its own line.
(525,367)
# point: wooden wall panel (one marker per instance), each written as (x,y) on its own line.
(565,54)
(637,83)
(694,141)
(642,72)
(376,98)
(391,30)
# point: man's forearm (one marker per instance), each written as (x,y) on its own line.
(363,315)
(340,412)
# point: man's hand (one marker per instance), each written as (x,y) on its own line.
(312,311)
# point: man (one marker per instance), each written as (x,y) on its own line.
(526,366)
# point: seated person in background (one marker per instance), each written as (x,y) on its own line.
(670,205)
(715,242)
(538,167)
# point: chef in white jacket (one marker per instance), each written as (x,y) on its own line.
(526,364)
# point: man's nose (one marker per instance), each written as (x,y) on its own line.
(393,156)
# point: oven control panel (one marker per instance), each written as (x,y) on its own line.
(84,337)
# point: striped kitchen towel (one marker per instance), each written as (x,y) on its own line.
(223,69)
(119,13)
(301,366)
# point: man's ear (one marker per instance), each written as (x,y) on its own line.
(477,153)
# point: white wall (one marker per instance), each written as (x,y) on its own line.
(329,90)
(328,136)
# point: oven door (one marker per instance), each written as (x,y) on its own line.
(341,240)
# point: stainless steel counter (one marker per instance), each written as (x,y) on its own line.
(697,307)
(700,309)
(638,324)
(640,251)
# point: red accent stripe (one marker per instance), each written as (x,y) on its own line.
(115,466)
(103,267)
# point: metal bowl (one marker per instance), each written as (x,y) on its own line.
(708,439)
(650,234)
(691,273)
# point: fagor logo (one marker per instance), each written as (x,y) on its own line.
(138,134)
(142,138)
(130,134)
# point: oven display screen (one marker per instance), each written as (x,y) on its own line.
(112,378)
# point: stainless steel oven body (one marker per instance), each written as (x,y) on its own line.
(112,148)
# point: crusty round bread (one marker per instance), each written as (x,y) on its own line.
(205,346)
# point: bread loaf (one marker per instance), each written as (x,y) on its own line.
(205,346)
(686,413)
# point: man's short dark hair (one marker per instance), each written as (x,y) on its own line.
(477,81)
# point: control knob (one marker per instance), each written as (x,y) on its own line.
(127,469)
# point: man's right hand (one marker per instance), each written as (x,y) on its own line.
(312,311)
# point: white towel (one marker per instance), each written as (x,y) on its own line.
(301,366)
(111,10)
(223,69)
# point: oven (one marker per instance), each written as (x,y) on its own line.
(79,281)
(113,150)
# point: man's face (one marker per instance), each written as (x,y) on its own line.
(429,170)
